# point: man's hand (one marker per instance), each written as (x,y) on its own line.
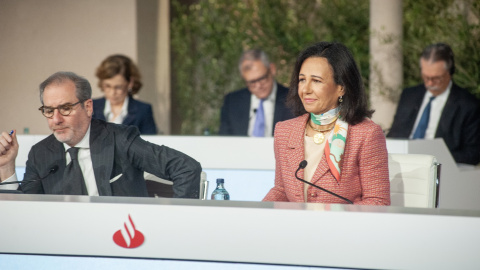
(8,154)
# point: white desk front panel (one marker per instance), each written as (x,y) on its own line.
(346,236)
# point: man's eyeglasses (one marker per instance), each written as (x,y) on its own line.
(64,109)
(435,79)
(260,80)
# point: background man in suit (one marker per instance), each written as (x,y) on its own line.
(92,157)
(444,111)
(255,110)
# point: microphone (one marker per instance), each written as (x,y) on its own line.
(52,170)
(302,165)
(254,114)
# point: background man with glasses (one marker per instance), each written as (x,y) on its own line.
(254,111)
(444,111)
(92,157)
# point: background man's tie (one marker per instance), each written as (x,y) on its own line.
(259,127)
(423,123)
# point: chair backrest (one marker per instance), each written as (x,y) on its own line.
(414,180)
(158,187)
(203,186)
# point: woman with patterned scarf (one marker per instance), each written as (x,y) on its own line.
(345,151)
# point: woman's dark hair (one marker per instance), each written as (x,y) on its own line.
(354,107)
(119,64)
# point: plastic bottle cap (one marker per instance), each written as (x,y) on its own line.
(220,180)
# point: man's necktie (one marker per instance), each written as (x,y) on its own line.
(73,177)
(423,123)
(259,127)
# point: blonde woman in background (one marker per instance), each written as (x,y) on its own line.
(119,80)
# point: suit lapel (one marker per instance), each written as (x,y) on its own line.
(449,113)
(131,112)
(102,151)
(416,100)
(279,100)
(408,110)
(53,184)
(296,152)
(321,170)
(244,112)
(98,108)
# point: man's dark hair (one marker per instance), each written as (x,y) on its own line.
(83,90)
(253,55)
(440,52)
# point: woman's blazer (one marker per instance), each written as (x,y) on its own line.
(140,114)
(364,175)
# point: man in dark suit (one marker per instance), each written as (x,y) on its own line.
(444,111)
(255,110)
(109,159)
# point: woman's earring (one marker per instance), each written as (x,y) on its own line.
(340,99)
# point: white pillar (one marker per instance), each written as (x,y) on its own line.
(163,67)
(386,61)
(153,38)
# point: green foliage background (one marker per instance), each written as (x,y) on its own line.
(208,36)
(453,22)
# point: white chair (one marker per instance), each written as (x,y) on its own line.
(203,186)
(414,180)
(158,187)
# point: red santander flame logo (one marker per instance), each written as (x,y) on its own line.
(128,237)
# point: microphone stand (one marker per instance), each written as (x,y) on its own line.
(52,170)
(302,166)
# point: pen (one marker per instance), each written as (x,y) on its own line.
(11,132)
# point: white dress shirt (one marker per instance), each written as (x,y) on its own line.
(109,114)
(436,110)
(268,108)
(313,155)
(85,162)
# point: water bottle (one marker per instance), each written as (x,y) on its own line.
(220,193)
